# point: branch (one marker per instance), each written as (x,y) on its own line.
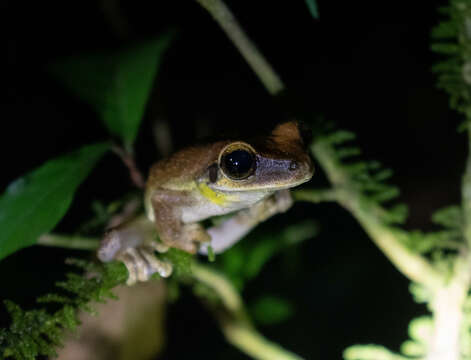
(466,194)
(234,320)
(69,241)
(128,160)
(370,352)
(262,68)
(314,195)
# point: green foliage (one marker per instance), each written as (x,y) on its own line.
(452,39)
(269,310)
(245,260)
(312,6)
(116,84)
(427,243)
(443,245)
(362,184)
(34,204)
(366,178)
(420,332)
(420,293)
(33,333)
(465,339)
(211,254)
(450,217)
(370,352)
(101,213)
(181,262)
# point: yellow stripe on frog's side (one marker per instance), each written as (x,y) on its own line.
(211,195)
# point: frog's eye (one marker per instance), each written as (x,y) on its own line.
(237,161)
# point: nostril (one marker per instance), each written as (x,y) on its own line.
(293,165)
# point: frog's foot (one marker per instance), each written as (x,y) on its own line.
(191,236)
(135,247)
(142,263)
(279,202)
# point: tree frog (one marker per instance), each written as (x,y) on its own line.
(250,178)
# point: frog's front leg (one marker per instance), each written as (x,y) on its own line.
(167,212)
(226,234)
(133,243)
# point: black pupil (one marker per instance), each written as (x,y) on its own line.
(238,163)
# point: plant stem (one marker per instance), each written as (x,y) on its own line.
(235,323)
(370,352)
(262,68)
(447,308)
(69,242)
(466,193)
(128,160)
(254,344)
(315,196)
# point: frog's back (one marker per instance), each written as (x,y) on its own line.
(179,171)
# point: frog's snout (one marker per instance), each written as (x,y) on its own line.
(301,169)
(307,167)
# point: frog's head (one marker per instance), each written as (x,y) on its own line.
(274,162)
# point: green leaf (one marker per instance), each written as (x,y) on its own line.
(449,217)
(116,84)
(420,331)
(312,6)
(269,310)
(34,204)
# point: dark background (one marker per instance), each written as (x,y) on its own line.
(366,67)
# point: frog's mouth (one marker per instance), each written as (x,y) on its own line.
(269,182)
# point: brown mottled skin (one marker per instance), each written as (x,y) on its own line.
(184,166)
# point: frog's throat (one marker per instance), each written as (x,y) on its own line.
(213,196)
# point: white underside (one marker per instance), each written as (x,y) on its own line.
(236,201)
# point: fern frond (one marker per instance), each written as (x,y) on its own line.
(452,39)
(33,333)
(367,178)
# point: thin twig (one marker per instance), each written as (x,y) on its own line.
(262,68)
(128,160)
(466,193)
(315,196)
(69,241)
